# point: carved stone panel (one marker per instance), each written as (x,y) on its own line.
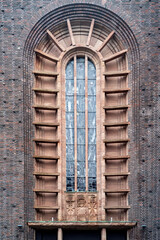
(92,207)
(70,208)
(81,207)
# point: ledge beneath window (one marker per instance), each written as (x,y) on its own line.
(81,224)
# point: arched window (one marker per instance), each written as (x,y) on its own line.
(80,124)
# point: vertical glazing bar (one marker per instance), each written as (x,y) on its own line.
(75,119)
(86,118)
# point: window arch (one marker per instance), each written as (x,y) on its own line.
(80,124)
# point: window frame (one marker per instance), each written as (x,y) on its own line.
(96,58)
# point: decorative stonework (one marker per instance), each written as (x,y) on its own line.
(92,207)
(81,207)
(70,208)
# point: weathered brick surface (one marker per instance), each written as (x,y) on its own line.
(17,20)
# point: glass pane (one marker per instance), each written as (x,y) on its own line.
(80,103)
(70,182)
(81,183)
(81,169)
(92,103)
(70,169)
(70,103)
(91,87)
(81,152)
(91,135)
(70,70)
(70,87)
(91,70)
(91,169)
(91,153)
(70,120)
(81,87)
(80,68)
(81,120)
(80,136)
(70,152)
(70,135)
(92,120)
(92,184)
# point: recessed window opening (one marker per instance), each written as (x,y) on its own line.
(80,124)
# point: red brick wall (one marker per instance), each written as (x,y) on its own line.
(18,19)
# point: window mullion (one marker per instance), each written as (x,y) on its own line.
(75,119)
(86,118)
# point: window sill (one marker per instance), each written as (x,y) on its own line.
(82,224)
(81,191)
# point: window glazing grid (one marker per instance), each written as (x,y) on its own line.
(80,150)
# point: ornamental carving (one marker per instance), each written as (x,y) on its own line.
(92,207)
(81,207)
(70,208)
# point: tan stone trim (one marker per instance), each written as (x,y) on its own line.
(75,119)
(90,33)
(86,118)
(82,225)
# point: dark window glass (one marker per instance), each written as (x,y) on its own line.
(82,235)
(46,235)
(116,235)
